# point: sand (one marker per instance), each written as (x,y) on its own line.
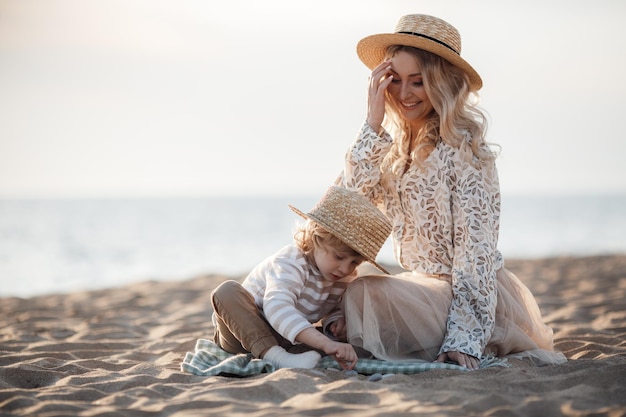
(117,352)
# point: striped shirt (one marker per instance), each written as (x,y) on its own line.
(292,294)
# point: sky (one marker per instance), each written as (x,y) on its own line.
(185,98)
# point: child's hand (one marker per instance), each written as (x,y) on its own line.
(338,329)
(343,353)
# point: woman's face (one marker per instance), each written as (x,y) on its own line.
(407,88)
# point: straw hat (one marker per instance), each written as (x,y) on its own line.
(420,31)
(353,219)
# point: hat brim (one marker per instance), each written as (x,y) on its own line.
(330,229)
(372,49)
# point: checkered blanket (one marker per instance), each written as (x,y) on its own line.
(209,360)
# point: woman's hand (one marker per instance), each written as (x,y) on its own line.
(379,81)
(467,361)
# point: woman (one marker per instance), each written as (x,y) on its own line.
(422,157)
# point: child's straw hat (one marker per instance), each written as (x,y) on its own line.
(353,219)
(419,31)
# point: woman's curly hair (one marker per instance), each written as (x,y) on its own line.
(455,117)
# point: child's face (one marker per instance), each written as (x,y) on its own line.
(335,264)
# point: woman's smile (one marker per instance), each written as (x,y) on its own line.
(409,105)
(407,88)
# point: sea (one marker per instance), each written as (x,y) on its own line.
(65,245)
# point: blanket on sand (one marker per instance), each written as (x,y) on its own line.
(210,360)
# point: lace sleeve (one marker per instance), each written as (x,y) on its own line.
(475,216)
(362,164)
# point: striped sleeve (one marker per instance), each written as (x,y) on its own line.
(291,294)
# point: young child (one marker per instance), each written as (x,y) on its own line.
(277,305)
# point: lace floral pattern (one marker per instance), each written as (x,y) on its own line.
(445,214)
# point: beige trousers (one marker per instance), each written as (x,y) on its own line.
(240,326)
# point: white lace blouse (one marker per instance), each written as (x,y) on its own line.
(445,214)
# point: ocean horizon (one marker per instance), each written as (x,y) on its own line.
(65,245)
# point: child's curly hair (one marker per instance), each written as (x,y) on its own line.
(310,235)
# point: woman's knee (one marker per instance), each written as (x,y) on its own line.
(355,289)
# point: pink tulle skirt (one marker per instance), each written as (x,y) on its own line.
(404,317)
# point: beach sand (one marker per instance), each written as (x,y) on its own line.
(117,352)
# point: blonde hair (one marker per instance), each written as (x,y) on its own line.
(311,235)
(455,115)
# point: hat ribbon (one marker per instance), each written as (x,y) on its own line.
(432,39)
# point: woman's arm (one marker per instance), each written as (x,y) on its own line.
(362,163)
(362,167)
(475,215)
